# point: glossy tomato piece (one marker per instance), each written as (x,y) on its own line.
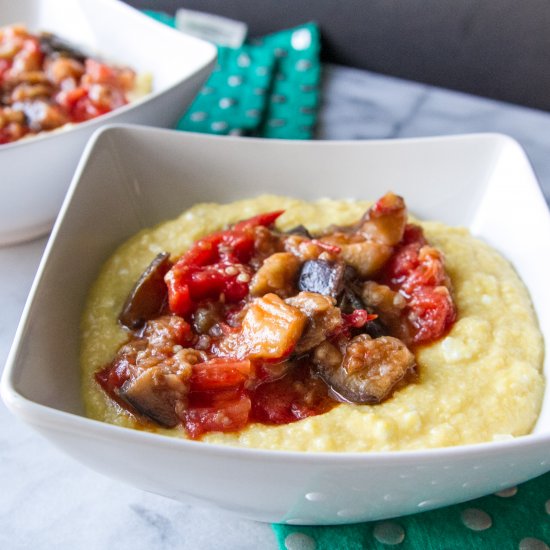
(431,312)
(266,219)
(113,377)
(293,397)
(216,265)
(5,64)
(203,252)
(86,109)
(99,72)
(417,271)
(358,318)
(218,374)
(179,298)
(222,415)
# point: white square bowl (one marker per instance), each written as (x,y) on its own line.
(133,177)
(36,172)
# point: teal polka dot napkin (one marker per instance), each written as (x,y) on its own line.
(269,87)
(517,518)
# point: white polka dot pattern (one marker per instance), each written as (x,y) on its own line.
(531,543)
(299,541)
(476,519)
(507,493)
(496,516)
(389,532)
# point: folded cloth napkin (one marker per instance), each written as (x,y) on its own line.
(516,518)
(269,87)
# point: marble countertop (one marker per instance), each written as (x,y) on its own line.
(49,501)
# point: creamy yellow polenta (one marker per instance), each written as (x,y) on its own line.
(482,382)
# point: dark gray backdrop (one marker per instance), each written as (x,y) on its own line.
(493,48)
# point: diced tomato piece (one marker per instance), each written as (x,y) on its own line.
(206,282)
(266,219)
(406,258)
(113,376)
(228,415)
(5,64)
(219,374)
(179,299)
(431,312)
(413,234)
(188,285)
(358,318)
(203,252)
(69,98)
(235,290)
(85,109)
(429,271)
(237,246)
(99,72)
(215,265)
(293,397)
(418,272)
(403,262)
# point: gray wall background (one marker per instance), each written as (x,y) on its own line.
(493,48)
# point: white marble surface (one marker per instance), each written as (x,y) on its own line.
(49,501)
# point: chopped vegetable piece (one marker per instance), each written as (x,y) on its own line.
(149,295)
(154,393)
(369,370)
(296,395)
(277,274)
(218,374)
(222,415)
(216,265)
(270,331)
(323,277)
(417,272)
(322,315)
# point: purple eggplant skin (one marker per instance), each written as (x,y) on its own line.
(149,296)
(54,45)
(300,230)
(337,279)
(323,277)
(151,395)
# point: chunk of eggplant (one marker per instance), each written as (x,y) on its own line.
(51,44)
(322,315)
(154,394)
(149,295)
(323,277)
(368,370)
(300,230)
